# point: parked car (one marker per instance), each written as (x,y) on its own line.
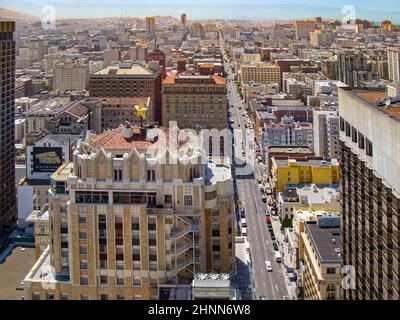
(267,214)
(268,266)
(273,237)
(244,232)
(275,245)
(264,198)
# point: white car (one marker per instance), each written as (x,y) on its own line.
(268,266)
(244,232)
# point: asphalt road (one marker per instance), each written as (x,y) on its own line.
(272,285)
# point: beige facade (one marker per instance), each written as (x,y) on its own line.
(303,28)
(322,277)
(126,225)
(71,76)
(260,73)
(320,38)
(195,102)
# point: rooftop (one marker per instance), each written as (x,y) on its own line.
(215,172)
(122,101)
(132,69)
(326,242)
(63,172)
(379,99)
(175,78)
(282,161)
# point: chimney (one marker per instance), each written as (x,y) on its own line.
(127,130)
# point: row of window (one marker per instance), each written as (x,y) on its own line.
(356,137)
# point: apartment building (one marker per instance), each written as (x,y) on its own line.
(71,77)
(111,55)
(7,124)
(194,101)
(131,218)
(394,64)
(150,24)
(260,72)
(303,28)
(370,170)
(315,170)
(321,259)
(353,67)
(287,133)
(326,133)
(320,38)
(128,80)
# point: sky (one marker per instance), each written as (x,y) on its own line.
(212,9)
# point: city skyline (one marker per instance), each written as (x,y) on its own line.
(254,9)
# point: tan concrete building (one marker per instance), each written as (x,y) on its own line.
(320,38)
(134,219)
(260,73)
(40,219)
(71,77)
(321,259)
(303,28)
(194,101)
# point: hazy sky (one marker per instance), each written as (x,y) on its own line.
(203,9)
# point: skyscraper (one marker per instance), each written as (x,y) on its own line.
(303,29)
(370,185)
(7,119)
(394,64)
(183,19)
(150,24)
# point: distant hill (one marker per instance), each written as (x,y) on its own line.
(6,14)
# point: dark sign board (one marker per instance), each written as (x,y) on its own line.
(46,159)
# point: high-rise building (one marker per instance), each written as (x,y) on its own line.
(303,28)
(183,19)
(194,101)
(125,224)
(150,24)
(7,123)
(370,190)
(111,55)
(128,80)
(326,133)
(349,63)
(320,38)
(138,52)
(158,55)
(394,64)
(71,76)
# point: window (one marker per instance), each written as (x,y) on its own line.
(36,296)
(103,280)
(151,175)
(82,235)
(188,201)
(84,281)
(369,148)
(82,249)
(103,297)
(120,297)
(50,296)
(120,281)
(64,296)
(331,270)
(83,265)
(117,174)
(84,297)
(168,199)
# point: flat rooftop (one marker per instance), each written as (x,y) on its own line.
(215,172)
(282,161)
(13,270)
(135,69)
(379,99)
(326,242)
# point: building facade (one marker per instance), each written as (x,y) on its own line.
(260,73)
(71,77)
(195,102)
(326,133)
(128,80)
(7,124)
(394,64)
(303,29)
(370,184)
(130,219)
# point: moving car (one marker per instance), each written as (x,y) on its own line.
(268,266)
(244,223)
(244,232)
(278,257)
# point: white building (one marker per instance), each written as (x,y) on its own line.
(326,133)
(394,64)
(71,77)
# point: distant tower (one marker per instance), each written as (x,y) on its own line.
(183,19)
(150,24)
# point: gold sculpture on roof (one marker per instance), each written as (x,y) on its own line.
(141,112)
